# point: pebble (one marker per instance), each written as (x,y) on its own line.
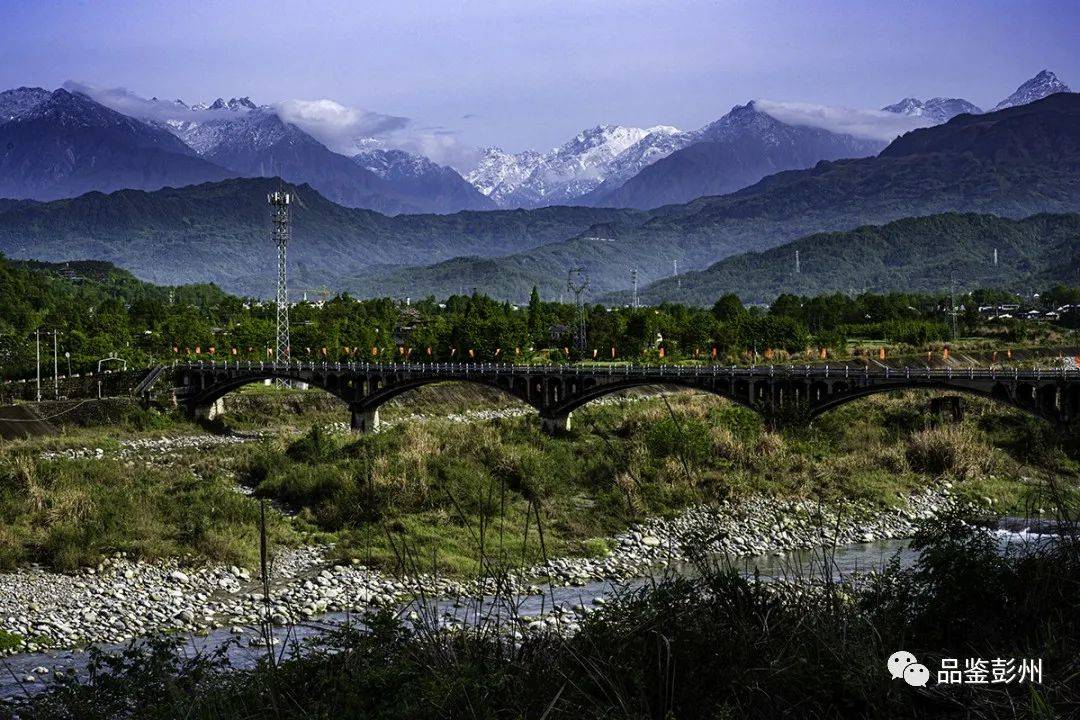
(125,598)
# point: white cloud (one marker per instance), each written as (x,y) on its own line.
(341,128)
(347,130)
(872,124)
(338,126)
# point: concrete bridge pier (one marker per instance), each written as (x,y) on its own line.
(208,412)
(364,420)
(555,424)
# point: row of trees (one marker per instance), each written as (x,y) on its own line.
(102,311)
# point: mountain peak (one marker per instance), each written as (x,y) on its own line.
(938,109)
(1043,84)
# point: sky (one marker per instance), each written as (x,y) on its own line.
(447,77)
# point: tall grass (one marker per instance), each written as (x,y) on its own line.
(716,645)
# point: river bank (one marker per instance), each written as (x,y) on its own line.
(123,598)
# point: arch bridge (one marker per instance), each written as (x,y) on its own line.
(555,391)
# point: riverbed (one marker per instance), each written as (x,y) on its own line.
(553,607)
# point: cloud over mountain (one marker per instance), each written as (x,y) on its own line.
(870,124)
(342,128)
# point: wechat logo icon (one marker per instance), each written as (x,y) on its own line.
(903,664)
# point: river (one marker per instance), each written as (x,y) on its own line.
(845,561)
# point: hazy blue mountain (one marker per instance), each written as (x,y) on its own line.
(66,144)
(735,151)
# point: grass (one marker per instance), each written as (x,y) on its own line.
(714,645)
(444,490)
(9,641)
(69,514)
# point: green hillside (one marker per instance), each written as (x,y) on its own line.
(925,254)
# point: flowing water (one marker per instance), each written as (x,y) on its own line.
(841,562)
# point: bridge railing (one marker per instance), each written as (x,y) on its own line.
(631,369)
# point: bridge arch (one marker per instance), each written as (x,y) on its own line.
(1000,392)
(600,390)
(363,396)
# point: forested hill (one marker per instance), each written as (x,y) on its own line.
(219,232)
(924,254)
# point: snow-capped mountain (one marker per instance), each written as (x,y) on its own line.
(254,141)
(531,179)
(421,177)
(1038,87)
(938,110)
(499,173)
(16,103)
(60,144)
(731,153)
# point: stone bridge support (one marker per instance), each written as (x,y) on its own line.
(555,424)
(208,411)
(364,419)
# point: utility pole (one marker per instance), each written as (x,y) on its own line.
(952,304)
(579,287)
(633,281)
(37,341)
(798,269)
(55,367)
(280,233)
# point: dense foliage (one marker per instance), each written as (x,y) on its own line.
(101,311)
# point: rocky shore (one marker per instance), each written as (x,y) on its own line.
(123,598)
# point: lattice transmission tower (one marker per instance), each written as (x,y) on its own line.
(577,282)
(280,232)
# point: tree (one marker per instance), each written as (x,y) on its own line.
(533,322)
(728,308)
